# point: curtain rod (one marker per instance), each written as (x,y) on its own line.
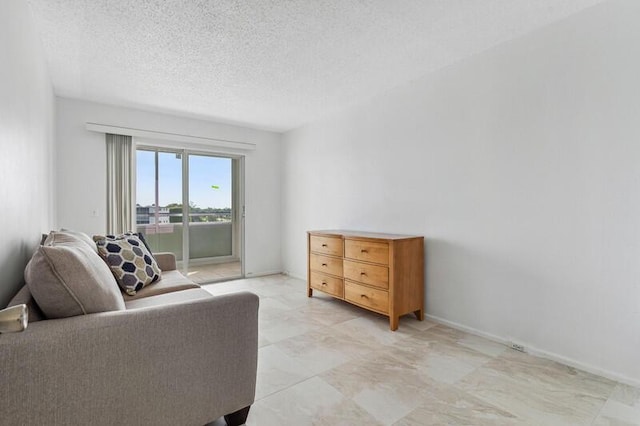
(129,131)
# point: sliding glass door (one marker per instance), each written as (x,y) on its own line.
(188,203)
(212,220)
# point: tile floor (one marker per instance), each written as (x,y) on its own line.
(324,362)
(203,274)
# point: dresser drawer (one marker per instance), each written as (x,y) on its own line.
(377,300)
(326,283)
(374,275)
(328,265)
(326,245)
(367,250)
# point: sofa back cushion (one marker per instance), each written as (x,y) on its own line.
(68,237)
(67,280)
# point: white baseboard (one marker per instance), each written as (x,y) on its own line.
(539,352)
(262,274)
(294,275)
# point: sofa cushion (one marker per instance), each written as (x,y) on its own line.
(170,281)
(67,237)
(129,260)
(166,261)
(168,298)
(66,281)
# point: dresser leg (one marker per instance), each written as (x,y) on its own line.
(309,292)
(393,323)
(419,314)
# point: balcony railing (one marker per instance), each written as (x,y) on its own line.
(206,239)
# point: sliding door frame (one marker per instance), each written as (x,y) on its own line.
(238,196)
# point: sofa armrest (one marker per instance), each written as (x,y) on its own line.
(185,363)
(166,261)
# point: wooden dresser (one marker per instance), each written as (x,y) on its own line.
(383,273)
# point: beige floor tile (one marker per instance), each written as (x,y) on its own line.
(312,402)
(442,332)
(273,306)
(282,325)
(551,375)
(267,289)
(277,371)
(627,395)
(607,421)
(371,327)
(617,413)
(441,360)
(413,322)
(622,408)
(482,345)
(385,387)
(539,390)
(263,341)
(329,311)
(447,405)
(296,300)
(323,349)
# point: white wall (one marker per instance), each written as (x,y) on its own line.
(26,144)
(521,167)
(82,172)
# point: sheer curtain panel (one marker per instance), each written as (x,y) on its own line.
(119,183)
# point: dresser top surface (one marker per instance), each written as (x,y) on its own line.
(359,234)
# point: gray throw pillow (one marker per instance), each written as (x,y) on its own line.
(70,280)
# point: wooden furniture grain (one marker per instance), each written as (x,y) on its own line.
(383,273)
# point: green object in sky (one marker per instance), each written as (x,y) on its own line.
(215,186)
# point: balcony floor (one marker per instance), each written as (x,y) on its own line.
(208,273)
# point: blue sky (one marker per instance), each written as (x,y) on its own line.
(204,172)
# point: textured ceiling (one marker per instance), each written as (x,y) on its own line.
(274,64)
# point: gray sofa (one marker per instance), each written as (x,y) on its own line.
(175,356)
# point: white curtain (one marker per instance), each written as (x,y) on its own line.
(119,184)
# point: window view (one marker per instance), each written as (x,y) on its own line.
(158,187)
(170,175)
(209,189)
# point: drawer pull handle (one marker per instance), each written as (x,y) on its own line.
(324,264)
(364,296)
(363,251)
(363,273)
(323,283)
(324,245)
